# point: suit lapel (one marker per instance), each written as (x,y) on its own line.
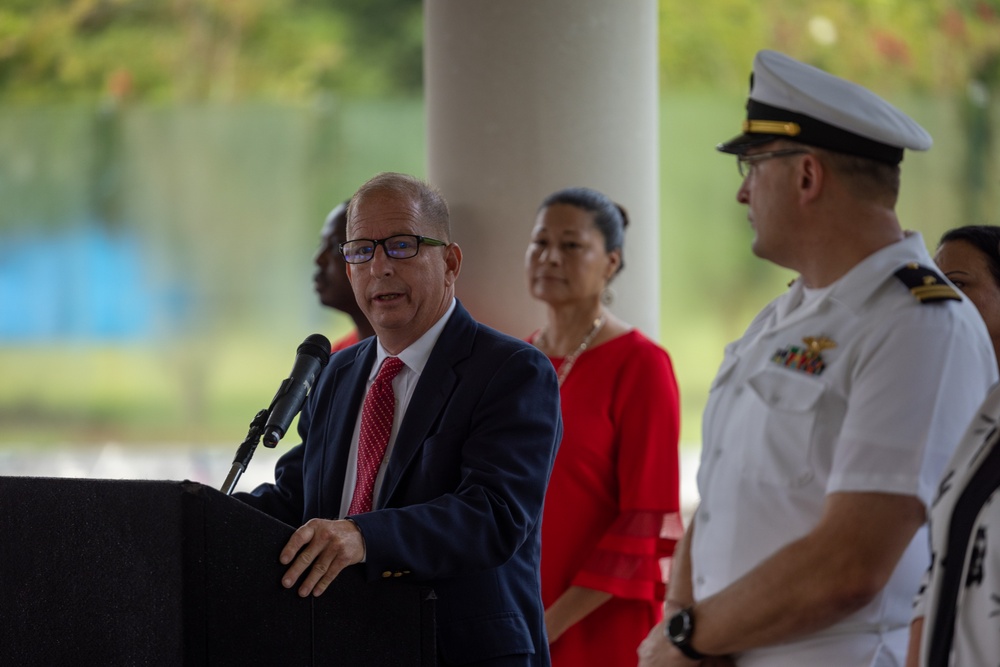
(348,385)
(435,386)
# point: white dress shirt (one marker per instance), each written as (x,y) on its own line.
(414,359)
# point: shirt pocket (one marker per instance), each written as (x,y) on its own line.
(786,423)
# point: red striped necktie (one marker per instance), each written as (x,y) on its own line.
(376,425)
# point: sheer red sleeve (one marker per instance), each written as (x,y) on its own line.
(632,559)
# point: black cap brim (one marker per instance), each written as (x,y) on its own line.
(739,144)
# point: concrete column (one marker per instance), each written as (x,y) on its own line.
(525,97)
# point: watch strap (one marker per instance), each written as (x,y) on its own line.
(686,649)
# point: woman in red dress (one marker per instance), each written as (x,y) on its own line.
(612,509)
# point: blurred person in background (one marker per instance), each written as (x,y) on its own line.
(612,506)
(970,258)
(957,610)
(831,419)
(331,282)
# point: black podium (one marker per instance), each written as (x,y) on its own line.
(102,572)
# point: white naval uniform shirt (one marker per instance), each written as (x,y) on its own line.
(976,639)
(900,381)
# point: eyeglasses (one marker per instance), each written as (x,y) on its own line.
(745,162)
(401,246)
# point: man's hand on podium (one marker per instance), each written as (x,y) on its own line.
(324,548)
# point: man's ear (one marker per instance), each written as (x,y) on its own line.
(812,174)
(453,263)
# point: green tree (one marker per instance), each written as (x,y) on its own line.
(944,48)
(216,50)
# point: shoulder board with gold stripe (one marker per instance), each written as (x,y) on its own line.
(926,284)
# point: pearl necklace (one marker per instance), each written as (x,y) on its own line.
(567,364)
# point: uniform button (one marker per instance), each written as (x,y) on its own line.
(397,574)
(386,574)
(704,516)
(700,581)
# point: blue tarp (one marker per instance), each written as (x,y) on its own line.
(84,283)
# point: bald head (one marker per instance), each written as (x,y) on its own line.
(426,199)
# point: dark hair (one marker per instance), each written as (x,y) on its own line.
(610,218)
(985,238)
(338,218)
(429,200)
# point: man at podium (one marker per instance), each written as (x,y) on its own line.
(426,449)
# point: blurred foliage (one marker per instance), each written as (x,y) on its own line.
(932,45)
(217,50)
(230,50)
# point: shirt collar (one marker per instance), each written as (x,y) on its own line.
(857,285)
(415,356)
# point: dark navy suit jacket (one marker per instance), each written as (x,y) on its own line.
(461,502)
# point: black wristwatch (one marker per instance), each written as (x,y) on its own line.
(679,629)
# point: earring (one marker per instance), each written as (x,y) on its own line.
(607,296)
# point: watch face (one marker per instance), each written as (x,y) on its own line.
(679,627)
(679,631)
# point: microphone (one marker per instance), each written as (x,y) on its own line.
(310,358)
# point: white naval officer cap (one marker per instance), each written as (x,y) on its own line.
(792,100)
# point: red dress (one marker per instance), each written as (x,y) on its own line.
(612,509)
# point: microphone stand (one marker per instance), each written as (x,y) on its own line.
(245,452)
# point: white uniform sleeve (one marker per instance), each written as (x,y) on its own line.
(914,391)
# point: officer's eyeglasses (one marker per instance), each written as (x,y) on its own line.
(401,246)
(745,162)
